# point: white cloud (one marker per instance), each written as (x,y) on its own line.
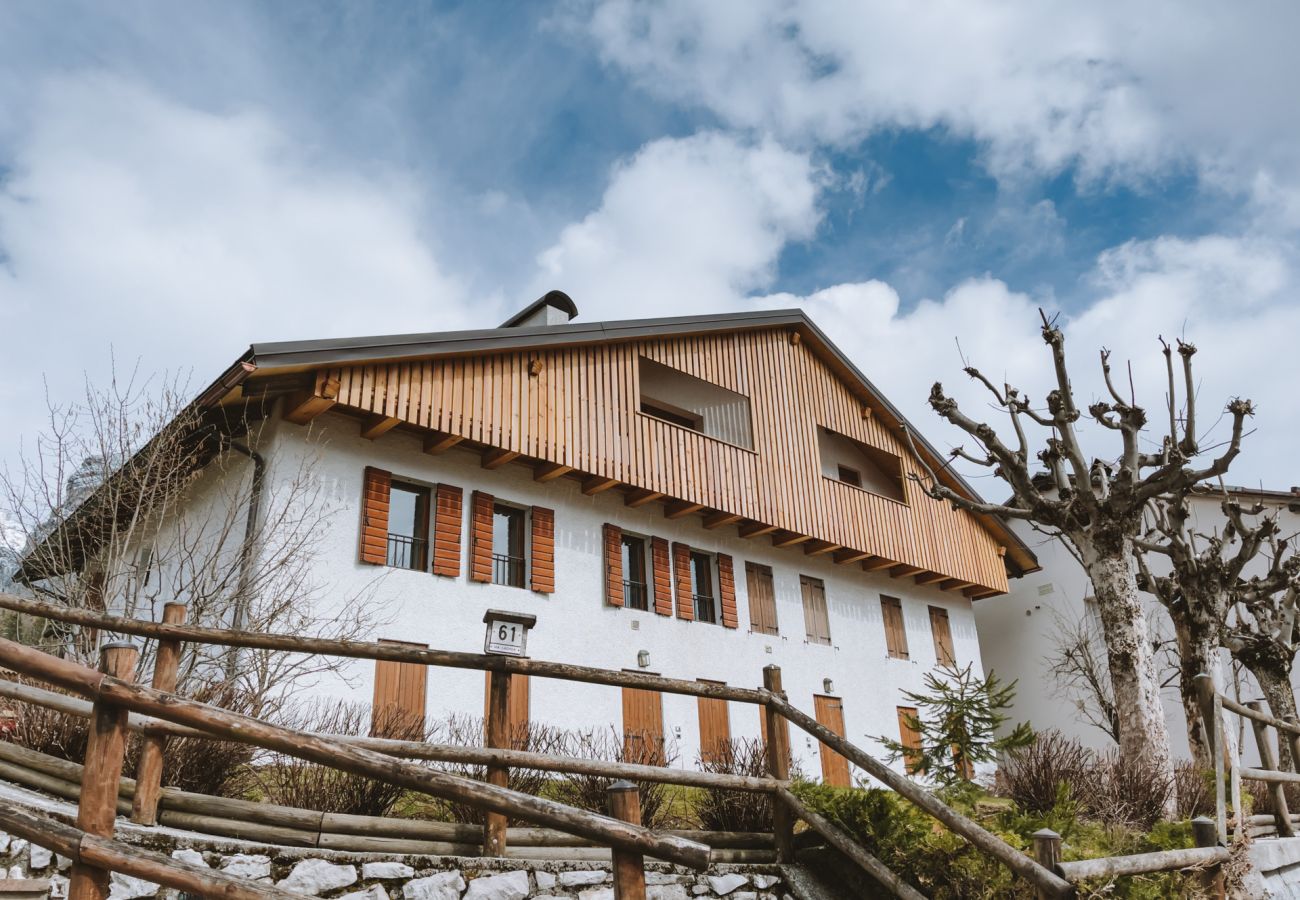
(685,225)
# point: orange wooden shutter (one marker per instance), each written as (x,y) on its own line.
(541,559)
(613,565)
(891,609)
(682,572)
(446,530)
(942,631)
(715,728)
(480,538)
(374,516)
(835,768)
(662,576)
(910,738)
(400,693)
(727,587)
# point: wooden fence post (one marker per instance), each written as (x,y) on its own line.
(497,735)
(629,868)
(148,772)
(778,766)
(1047,850)
(1212,718)
(1206,834)
(102,775)
(1268,759)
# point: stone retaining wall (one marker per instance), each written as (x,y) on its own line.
(369,876)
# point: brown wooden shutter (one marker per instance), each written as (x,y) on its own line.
(517,709)
(715,728)
(400,694)
(662,576)
(480,537)
(835,768)
(682,572)
(891,609)
(374,516)
(643,727)
(910,738)
(727,588)
(816,620)
(762,599)
(541,559)
(942,631)
(447,513)
(613,565)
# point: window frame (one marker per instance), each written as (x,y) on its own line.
(418,543)
(647,571)
(673,415)
(509,570)
(854,481)
(713,597)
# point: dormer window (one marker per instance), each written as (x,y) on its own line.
(683,400)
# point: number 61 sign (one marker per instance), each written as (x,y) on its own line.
(507,632)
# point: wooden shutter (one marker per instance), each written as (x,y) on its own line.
(643,727)
(613,565)
(400,693)
(374,516)
(663,582)
(447,513)
(762,599)
(541,556)
(835,768)
(942,631)
(517,709)
(480,537)
(816,621)
(910,738)
(715,728)
(727,588)
(891,609)
(682,572)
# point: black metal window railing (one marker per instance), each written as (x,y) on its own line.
(406,552)
(507,570)
(635,595)
(705,611)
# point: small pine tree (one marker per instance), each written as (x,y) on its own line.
(957,718)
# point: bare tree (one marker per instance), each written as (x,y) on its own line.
(134,498)
(1096,506)
(1077,667)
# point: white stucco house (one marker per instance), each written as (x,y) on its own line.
(698,497)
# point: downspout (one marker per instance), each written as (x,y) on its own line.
(246,550)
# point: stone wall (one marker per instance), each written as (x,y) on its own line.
(368,876)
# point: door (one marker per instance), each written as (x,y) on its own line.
(643,727)
(398,706)
(835,768)
(715,729)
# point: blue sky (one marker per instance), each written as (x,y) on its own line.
(177,181)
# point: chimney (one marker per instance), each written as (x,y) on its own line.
(554,308)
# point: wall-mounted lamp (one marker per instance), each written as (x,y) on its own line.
(828,686)
(643,658)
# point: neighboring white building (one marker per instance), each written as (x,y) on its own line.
(1019,631)
(698,497)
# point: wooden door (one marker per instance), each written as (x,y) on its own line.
(643,726)
(400,695)
(835,768)
(517,719)
(715,728)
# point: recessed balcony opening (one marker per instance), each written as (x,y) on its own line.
(860,465)
(689,402)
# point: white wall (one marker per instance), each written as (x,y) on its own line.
(574,625)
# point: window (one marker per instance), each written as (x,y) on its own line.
(860,465)
(816,623)
(689,402)
(942,632)
(706,608)
(762,599)
(909,735)
(507,545)
(408,526)
(636,586)
(891,609)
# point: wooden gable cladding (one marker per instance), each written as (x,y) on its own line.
(659,557)
(613,565)
(480,540)
(446,530)
(581,410)
(541,558)
(376,493)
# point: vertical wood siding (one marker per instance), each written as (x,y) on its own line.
(581,409)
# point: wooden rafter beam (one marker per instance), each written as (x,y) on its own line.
(954,584)
(720,518)
(681,508)
(640,497)
(754,529)
(496,457)
(789,538)
(377,425)
(596,483)
(301,407)
(979,593)
(819,548)
(440,442)
(930,577)
(902,570)
(846,557)
(549,471)
(876,563)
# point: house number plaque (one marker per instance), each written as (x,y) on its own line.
(507,632)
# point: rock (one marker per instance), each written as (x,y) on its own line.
(386,870)
(58,887)
(506,886)
(124,887)
(61,862)
(744,895)
(15,872)
(18,846)
(602,893)
(577,879)
(443,886)
(374,892)
(763,882)
(545,880)
(724,884)
(700,889)
(193,857)
(39,858)
(4,842)
(245,865)
(316,877)
(666,892)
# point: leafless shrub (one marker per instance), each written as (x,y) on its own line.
(288,781)
(1129,791)
(1033,776)
(1260,794)
(721,810)
(590,791)
(468,731)
(46,730)
(1194,788)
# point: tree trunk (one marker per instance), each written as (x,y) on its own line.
(1143,732)
(1275,683)
(1198,648)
